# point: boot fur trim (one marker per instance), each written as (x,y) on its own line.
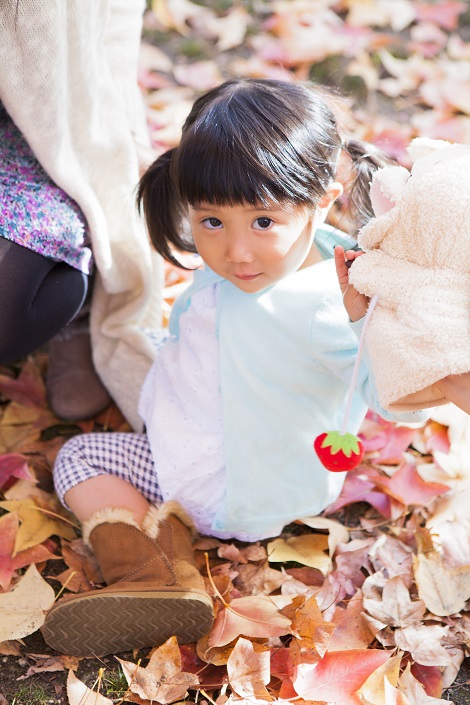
(157,514)
(108,515)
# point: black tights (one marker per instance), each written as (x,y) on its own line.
(38,297)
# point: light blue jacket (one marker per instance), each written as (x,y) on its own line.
(286,360)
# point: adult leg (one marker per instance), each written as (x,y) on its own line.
(145,553)
(38,298)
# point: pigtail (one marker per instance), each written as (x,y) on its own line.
(158,199)
(366,160)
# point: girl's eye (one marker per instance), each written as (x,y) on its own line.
(262,223)
(212,223)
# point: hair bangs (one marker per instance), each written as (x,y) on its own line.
(223,159)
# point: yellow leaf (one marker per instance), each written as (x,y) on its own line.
(337,533)
(308,549)
(37,524)
(23,609)
(373,690)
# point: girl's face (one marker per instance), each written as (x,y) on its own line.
(253,246)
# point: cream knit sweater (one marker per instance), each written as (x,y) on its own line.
(68,79)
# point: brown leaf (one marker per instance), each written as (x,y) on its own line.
(311,632)
(259,579)
(396,608)
(215,655)
(162,679)
(44,664)
(442,590)
(83,564)
(10,648)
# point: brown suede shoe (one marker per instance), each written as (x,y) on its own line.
(74,390)
(154,589)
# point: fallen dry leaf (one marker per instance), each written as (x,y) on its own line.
(248,670)
(9,564)
(79,694)
(162,678)
(373,689)
(396,608)
(256,616)
(408,487)
(23,609)
(28,389)
(311,632)
(14,465)
(307,549)
(39,520)
(443,591)
(351,629)
(338,676)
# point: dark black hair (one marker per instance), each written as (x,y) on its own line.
(251,141)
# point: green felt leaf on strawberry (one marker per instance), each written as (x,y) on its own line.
(339,452)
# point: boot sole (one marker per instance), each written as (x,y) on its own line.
(110,623)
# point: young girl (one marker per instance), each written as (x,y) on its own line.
(258,364)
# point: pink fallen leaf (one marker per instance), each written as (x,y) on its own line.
(256,616)
(200,75)
(281,663)
(398,439)
(358,487)
(351,629)
(436,437)
(248,670)
(27,389)
(430,678)
(338,676)
(14,465)
(407,486)
(445,14)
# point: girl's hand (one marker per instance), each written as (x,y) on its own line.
(355,303)
(456,388)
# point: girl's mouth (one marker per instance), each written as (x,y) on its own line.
(246,277)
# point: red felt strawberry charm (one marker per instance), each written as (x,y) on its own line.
(339,452)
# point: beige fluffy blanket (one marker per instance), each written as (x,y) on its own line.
(418,262)
(68,79)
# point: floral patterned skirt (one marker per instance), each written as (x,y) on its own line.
(34,211)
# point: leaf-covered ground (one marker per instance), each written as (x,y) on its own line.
(367,603)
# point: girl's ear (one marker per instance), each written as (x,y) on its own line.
(333,191)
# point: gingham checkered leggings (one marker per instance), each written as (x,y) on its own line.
(126,455)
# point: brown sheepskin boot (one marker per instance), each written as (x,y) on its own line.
(154,589)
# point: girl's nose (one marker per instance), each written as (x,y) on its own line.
(239,249)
